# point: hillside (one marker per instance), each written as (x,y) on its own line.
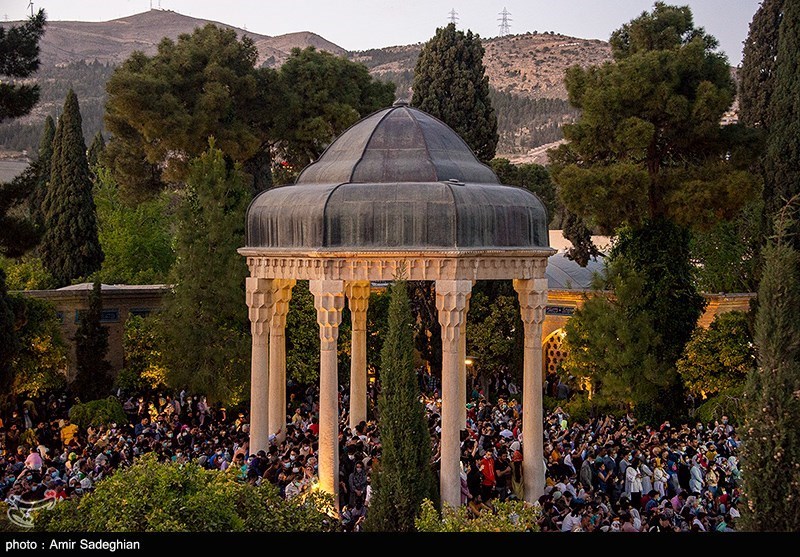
(525,72)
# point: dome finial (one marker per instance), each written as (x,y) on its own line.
(400,102)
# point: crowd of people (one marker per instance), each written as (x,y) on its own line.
(603,474)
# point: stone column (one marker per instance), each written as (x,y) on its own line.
(282,294)
(358,301)
(532,300)
(329,301)
(451,302)
(462,358)
(260,308)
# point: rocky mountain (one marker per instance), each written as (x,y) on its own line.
(525,71)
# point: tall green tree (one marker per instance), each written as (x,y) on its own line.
(326,95)
(759,60)
(403,477)
(450,83)
(649,154)
(95,152)
(43,169)
(771,440)
(70,247)
(93,377)
(204,322)
(9,341)
(782,157)
(19,59)
(161,109)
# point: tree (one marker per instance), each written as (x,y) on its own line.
(450,83)
(508,516)
(533,177)
(136,240)
(326,95)
(144,369)
(9,341)
(19,58)
(403,477)
(100,412)
(95,153)
(718,359)
(43,169)
(204,322)
(759,58)
(154,496)
(93,378)
(70,247)
(771,442)
(782,158)
(162,109)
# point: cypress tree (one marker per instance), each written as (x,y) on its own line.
(782,159)
(403,477)
(450,83)
(93,378)
(95,152)
(771,444)
(70,247)
(757,73)
(43,161)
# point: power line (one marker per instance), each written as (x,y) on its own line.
(453,16)
(504,19)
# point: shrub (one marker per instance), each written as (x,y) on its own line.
(98,412)
(508,516)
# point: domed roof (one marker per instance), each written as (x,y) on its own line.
(398,179)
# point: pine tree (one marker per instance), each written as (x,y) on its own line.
(403,477)
(782,159)
(771,444)
(43,168)
(19,58)
(757,74)
(95,152)
(93,378)
(450,83)
(70,247)
(207,345)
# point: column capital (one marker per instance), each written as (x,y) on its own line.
(329,302)
(532,295)
(281,296)
(451,303)
(357,293)
(260,304)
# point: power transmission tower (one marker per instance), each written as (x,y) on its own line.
(30,5)
(453,16)
(504,19)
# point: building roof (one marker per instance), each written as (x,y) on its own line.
(564,274)
(398,179)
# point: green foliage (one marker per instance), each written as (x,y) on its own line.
(9,342)
(404,477)
(727,256)
(70,248)
(162,109)
(26,273)
(302,336)
(759,58)
(649,143)
(427,331)
(495,331)
(533,177)
(19,58)
(40,366)
(95,151)
(628,344)
(101,412)
(719,358)
(450,83)
(377,328)
(93,376)
(38,196)
(19,232)
(771,443)
(204,322)
(728,403)
(152,496)
(136,240)
(143,362)
(508,516)
(326,95)
(782,159)
(524,123)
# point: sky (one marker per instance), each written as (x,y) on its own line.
(365,24)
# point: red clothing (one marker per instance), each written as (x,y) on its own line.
(314,428)
(487,469)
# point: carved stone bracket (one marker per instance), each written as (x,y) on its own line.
(329,302)
(260,306)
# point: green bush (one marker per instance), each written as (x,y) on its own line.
(152,496)
(581,409)
(98,412)
(508,516)
(728,403)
